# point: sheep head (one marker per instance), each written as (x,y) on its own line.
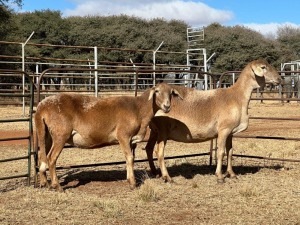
(265,73)
(162,94)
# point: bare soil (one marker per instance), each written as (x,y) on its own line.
(266,192)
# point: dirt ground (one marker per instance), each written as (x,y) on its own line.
(266,192)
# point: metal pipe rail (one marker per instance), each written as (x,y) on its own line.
(266,158)
(15,138)
(269,137)
(228,73)
(124,162)
(137,72)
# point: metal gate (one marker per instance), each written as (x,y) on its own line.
(29,96)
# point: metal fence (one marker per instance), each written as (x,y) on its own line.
(214,78)
(138,80)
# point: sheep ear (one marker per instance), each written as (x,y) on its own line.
(152,91)
(175,92)
(259,70)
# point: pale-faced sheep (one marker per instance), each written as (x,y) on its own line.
(205,115)
(90,122)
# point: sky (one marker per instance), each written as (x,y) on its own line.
(264,16)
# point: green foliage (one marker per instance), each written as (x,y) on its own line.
(234,46)
(289,37)
(126,32)
(6,22)
(110,32)
(49,27)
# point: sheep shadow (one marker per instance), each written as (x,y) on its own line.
(77,178)
(188,170)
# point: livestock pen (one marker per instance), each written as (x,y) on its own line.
(267,192)
(134,89)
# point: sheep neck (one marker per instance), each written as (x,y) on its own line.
(244,87)
(147,108)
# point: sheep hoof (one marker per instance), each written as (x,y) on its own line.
(132,186)
(171,181)
(56,188)
(156,173)
(44,185)
(60,190)
(226,174)
(233,176)
(230,174)
(167,179)
(221,180)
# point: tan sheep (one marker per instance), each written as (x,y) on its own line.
(205,115)
(89,122)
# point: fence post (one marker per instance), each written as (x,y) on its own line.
(96,72)
(154,62)
(23,69)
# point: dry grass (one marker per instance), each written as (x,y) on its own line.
(266,192)
(148,192)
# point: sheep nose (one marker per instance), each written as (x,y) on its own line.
(166,108)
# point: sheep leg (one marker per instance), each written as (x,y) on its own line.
(52,158)
(149,150)
(43,166)
(161,161)
(133,147)
(220,154)
(42,170)
(229,151)
(126,148)
(45,145)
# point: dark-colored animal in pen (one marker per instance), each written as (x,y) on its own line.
(291,86)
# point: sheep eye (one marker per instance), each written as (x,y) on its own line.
(263,67)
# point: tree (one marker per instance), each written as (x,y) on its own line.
(127,32)
(6,22)
(49,28)
(7,25)
(289,37)
(236,46)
